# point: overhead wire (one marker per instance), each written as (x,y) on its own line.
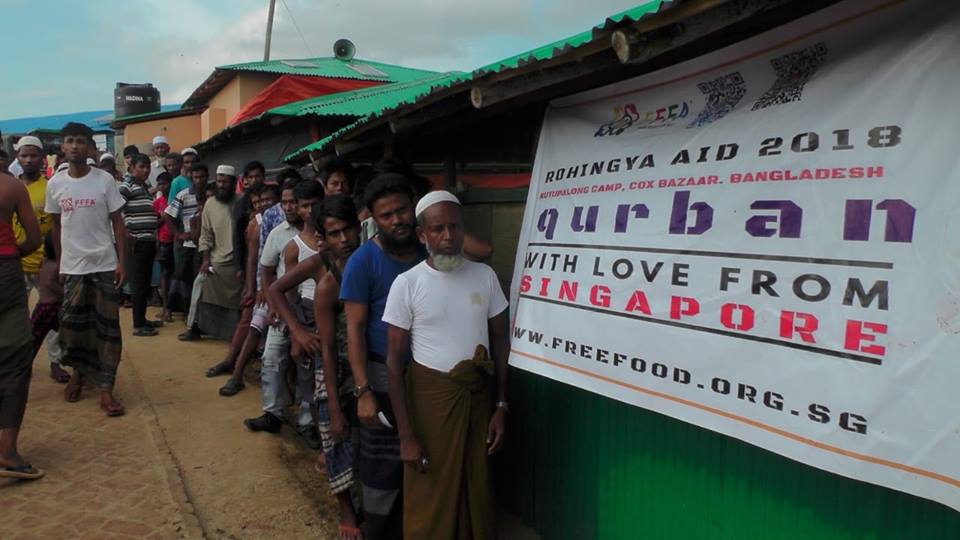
(296,26)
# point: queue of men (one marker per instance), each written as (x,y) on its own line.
(361,292)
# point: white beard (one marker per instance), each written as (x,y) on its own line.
(446,263)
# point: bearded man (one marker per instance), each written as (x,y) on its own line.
(450,312)
(219,307)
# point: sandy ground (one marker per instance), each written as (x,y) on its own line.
(180,464)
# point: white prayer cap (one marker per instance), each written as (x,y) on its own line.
(106,156)
(160,139)
(90,161)
(63,166)
(28,140)
(227,170)
(188,150)
(435,197)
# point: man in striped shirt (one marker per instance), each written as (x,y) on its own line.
(179,215)
(141,223)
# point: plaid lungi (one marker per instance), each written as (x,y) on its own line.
(90,327)
(339,455)
(16,346)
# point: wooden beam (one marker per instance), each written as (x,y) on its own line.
(424,115)
(482,96)
(636,46)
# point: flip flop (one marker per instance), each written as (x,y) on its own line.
(350,533)
(72,393)
(231,388)
(218,370)
(114,409)
(22,472)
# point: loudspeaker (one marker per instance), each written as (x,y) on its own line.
(344,49)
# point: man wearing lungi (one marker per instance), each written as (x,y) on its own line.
(219,306)
(16,344)
(89,237)
(451,312)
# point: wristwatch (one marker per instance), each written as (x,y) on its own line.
(503,405)
(360,390)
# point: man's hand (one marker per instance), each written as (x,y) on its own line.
(496,432)
(184,236)
(245,297)
(339,428)
(260,299)
(367,409)
(305,340)
(119,276)
(411,452)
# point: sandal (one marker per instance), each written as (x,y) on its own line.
(113,409)
(350,533)
(232,388)
(22,472)
(219,369)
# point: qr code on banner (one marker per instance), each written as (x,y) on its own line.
(723,94)
(793,71)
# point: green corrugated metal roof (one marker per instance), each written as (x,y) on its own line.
(550,50)
(334,68)
(367,103)
(367,100)
(534,55)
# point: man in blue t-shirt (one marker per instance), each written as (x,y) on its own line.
(367,278)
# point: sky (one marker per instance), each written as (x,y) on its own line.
(66,56)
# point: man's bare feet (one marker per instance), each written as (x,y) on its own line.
(74,387)
(110,405)
(59,374)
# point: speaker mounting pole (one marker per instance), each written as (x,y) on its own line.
(266,46)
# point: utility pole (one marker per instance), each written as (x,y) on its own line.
(266,46)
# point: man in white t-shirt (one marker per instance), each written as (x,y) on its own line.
(85,203)
(450,312)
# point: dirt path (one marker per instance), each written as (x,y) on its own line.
(178,465)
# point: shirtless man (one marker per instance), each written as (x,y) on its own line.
(337,218)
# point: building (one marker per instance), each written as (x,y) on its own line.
(578,465)
(222,107)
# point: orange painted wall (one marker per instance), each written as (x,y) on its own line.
(181,131)
(241,89)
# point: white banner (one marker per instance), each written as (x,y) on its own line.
(765,241)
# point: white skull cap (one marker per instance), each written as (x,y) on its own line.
(435,197)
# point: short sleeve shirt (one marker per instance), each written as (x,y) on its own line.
(445,312)
(367,278)
(182,208)
(271,254)
(85,205)
(139,216)
(37,190)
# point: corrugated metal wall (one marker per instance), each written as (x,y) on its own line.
(580,466)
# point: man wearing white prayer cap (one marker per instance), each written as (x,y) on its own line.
(218,309)
(108,163)
(452,314)
(161,147)
(32,159)
(181,181)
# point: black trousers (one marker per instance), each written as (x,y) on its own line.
(139,271)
